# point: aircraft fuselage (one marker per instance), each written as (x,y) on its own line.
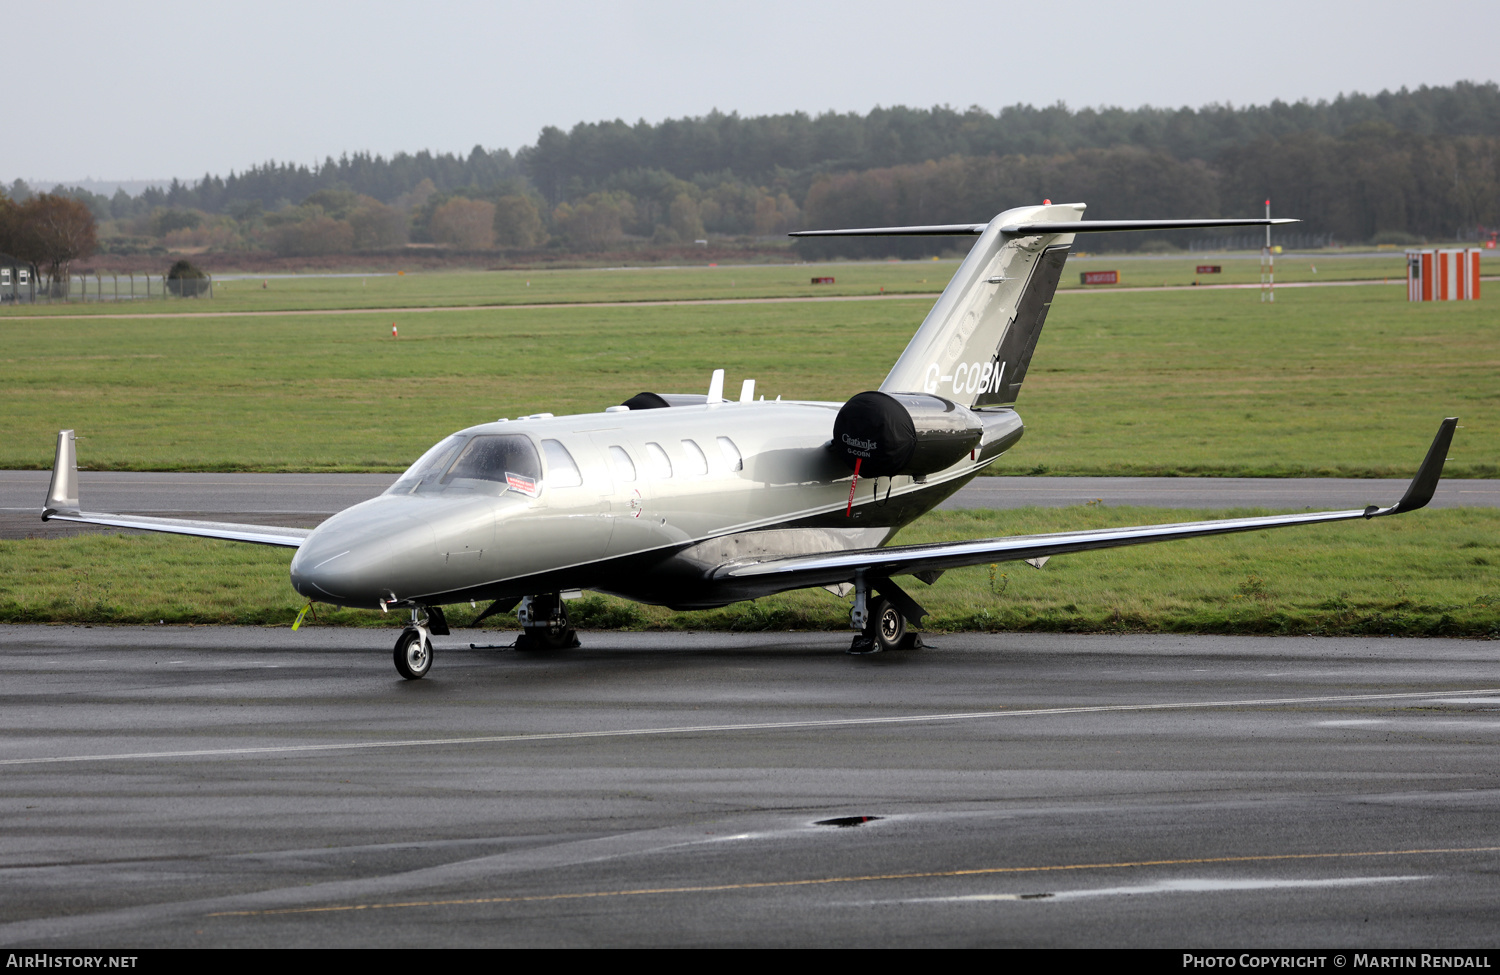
(640,503)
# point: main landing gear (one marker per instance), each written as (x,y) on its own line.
(544,624)
(881,621)
(885,629)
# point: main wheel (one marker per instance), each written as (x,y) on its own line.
(413,654)
(553,633)
(887,626)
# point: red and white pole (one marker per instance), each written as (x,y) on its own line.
(1268,265)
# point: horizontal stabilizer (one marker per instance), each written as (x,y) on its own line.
(1097,226)
(940,230)
(1045,227)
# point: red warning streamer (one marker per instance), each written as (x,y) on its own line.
(849,510)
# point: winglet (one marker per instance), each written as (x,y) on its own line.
(1420,491)
(62,494)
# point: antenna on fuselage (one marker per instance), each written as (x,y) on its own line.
(747,391)
(716,387)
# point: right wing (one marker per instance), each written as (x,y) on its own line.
(62,505)
(877,565)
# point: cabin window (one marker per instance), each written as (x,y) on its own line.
(561,470)
(508,460)
(428,467)
(696,462)
(621,462)
(731,454)
(661,464)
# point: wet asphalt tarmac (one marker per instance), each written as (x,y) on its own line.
(247,787)
(222,786)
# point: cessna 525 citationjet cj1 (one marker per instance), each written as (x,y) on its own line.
(695,501)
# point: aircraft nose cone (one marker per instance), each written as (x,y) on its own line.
(315,573)
(359,558)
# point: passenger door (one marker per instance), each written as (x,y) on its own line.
(632,515)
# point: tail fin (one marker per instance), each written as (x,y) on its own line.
(977,341)
(975,344)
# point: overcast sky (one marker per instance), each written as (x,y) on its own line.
(114,90)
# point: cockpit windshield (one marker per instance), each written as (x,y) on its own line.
(429,467)
(486,464)
(510,461)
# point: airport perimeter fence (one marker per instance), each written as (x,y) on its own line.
(1254,242)
(123,287)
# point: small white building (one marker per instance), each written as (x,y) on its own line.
(18,280)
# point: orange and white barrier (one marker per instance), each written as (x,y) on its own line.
(1443,275)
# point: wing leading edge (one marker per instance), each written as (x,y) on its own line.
(62,505)
(803,571)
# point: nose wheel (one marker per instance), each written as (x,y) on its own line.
(413,653)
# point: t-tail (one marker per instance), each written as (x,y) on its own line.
(975,345)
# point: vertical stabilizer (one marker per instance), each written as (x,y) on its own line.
(975,344)
(62,494)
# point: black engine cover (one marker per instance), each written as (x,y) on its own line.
(903,433)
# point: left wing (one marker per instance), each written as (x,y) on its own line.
(62,505)
(879,564)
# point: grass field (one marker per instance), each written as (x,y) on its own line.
(1344,380)
(449,289)
(1434,572)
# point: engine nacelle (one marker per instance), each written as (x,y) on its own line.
(904,433)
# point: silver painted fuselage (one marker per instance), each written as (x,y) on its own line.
(740,480)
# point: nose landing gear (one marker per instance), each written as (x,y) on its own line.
(413,655)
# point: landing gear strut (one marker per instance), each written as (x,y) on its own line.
(544,624)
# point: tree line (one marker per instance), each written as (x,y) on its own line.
(798,148)
(1371,184)
(47,230)
(1398,166)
